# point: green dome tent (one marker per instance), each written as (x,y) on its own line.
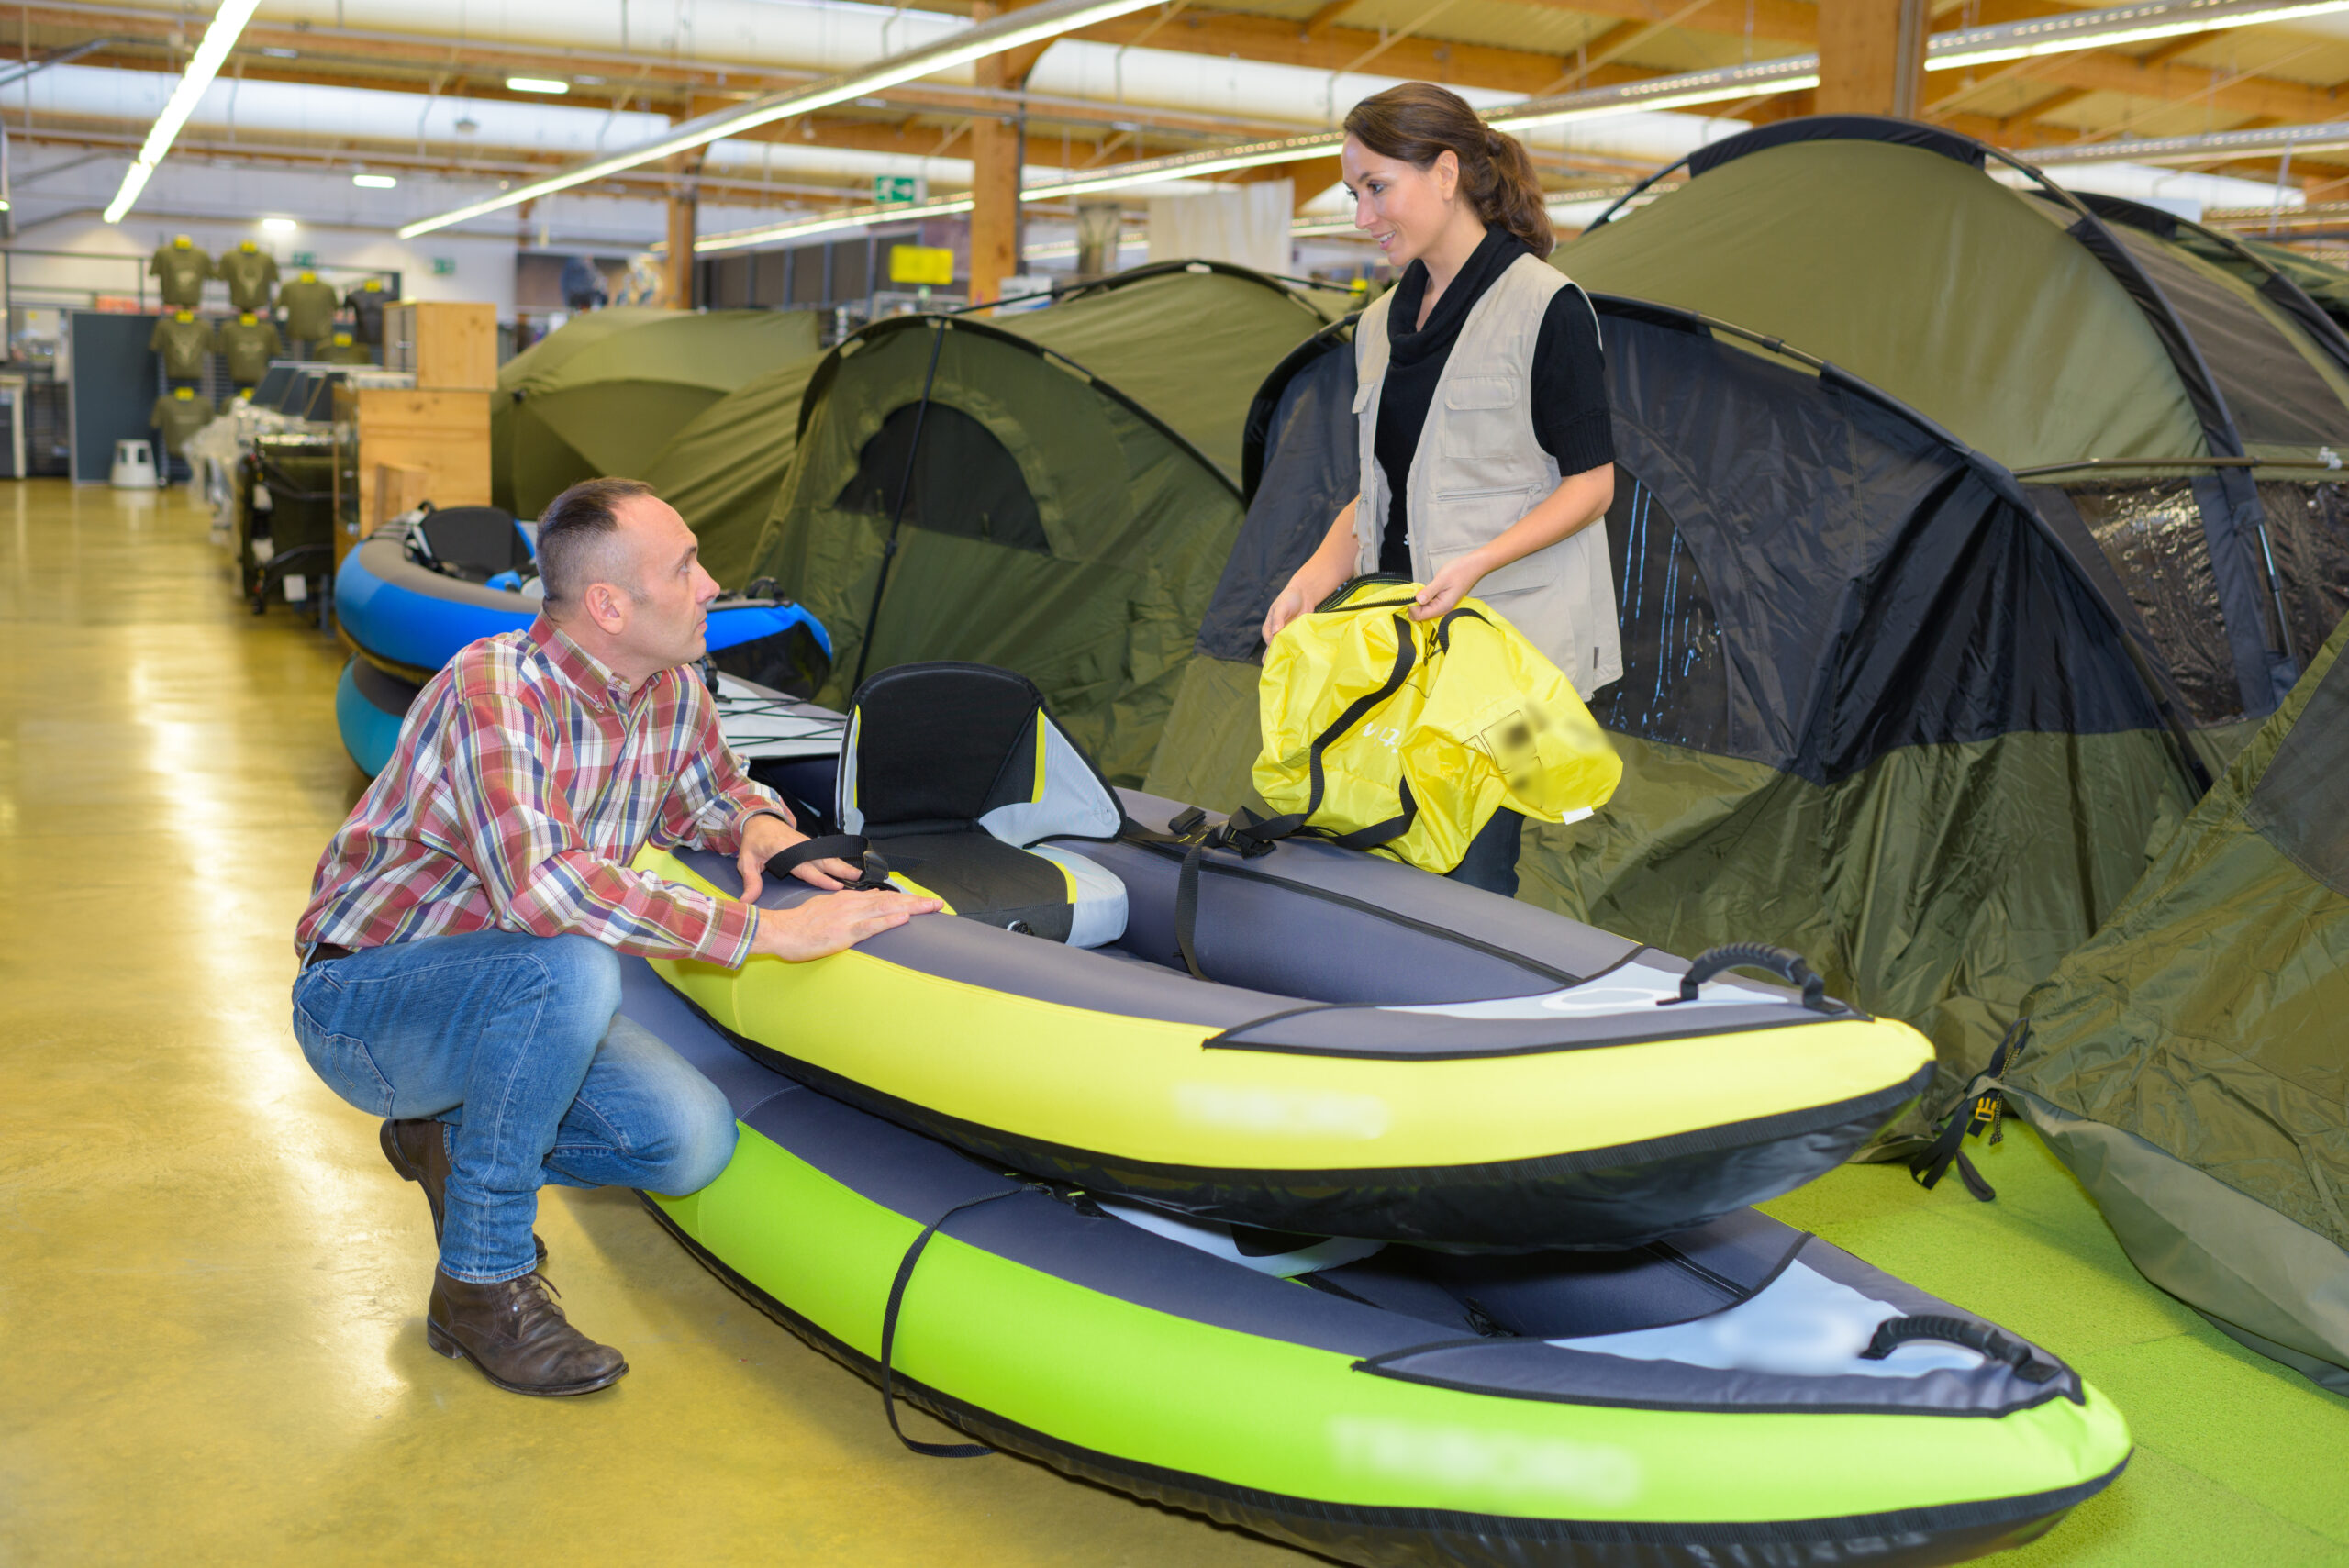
(2187,409)
(2321,280)
(1875,708)
(2188,1063)
(1059,488)
(722,470)
(601,394)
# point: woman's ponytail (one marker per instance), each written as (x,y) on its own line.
(1418,122)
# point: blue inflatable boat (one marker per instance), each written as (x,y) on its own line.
(408,598)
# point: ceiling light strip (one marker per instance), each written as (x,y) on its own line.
(2050,35)
(2115,25)
(2196,149)
(202,67)
(1030,25)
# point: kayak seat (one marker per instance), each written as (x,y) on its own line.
(474,543)
(953,772)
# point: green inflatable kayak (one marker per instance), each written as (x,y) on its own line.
(1739,1393)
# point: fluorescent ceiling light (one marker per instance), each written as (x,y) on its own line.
(375,181)
(2066,33)
(1031,24)
(2267,140)
(202,67)
(2072,31)
(536,84)
(847,217)
(280,225)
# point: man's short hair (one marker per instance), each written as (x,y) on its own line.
(579,539)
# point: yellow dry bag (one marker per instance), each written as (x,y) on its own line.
(1405,736)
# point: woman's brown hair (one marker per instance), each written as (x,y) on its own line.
(1418,122)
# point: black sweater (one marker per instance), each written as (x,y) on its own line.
(1569,378)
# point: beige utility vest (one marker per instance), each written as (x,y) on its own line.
(1479,467)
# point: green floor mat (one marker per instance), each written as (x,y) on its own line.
(2238,1460)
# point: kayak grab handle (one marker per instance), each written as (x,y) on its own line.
(1784,962)
(1979,1337)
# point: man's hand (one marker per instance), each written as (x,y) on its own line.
(764,838)
(833,923)
(1452,582)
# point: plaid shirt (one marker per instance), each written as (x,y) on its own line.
(526,778)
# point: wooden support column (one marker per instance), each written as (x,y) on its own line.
(685,204)
(998,147)
(1870,56)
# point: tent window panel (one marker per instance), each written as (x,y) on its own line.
(2275,395)
(1676,679)
(963,480)
(2152,534)
(2307,528)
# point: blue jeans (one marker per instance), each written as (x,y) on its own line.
(516,1043)
(1491,861)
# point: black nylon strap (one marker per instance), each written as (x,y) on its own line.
(1979,1107)
(1265,830)
(1407,653)
(1394,828)
(873,871)
(889,1335)
(830,847)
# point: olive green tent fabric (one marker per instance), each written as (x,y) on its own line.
(2321,280)
(1875,708)
(722,470)
(2189,1061)
(603,394)
(2124,360)
(1066,512)
(1937,885)
(1920,274)
(1189,342)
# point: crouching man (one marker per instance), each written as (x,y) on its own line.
(461,973)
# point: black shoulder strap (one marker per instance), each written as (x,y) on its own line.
(889,1334)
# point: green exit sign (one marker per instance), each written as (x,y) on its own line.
(443,266)
(306,258)
(897,190)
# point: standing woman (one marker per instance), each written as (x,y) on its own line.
(1481,411)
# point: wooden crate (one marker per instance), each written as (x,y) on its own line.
(446,343)
(434,443)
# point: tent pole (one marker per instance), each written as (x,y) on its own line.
(897,516)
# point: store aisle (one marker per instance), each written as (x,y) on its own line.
(212,1288)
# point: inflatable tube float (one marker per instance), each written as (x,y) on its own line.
(407,598)
(785,743)
(1373,1051)
(1745,1394)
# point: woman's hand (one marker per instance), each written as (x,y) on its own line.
(1452,582)
(1290,602)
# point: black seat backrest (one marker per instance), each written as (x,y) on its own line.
(937,746)
(474,542)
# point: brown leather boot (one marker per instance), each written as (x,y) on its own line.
(518,1337)
(418,1150)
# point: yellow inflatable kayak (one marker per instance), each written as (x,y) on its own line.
(1375,1051)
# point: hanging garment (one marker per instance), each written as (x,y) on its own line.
(180,271)
(178,418)
(183,344)
(248,345)
(309,306)
(1404,737)
(366,306)
(249,274)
